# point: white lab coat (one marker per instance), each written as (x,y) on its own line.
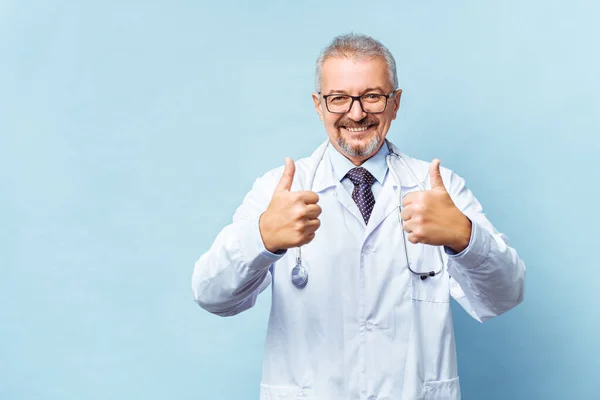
(364,327)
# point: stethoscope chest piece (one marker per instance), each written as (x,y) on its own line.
(299,276)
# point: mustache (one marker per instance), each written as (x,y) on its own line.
(349,123)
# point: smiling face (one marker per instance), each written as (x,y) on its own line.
(356,134)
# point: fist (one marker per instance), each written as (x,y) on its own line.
(291,218)
(431,217)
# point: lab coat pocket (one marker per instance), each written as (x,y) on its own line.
(275,392)
(442,390)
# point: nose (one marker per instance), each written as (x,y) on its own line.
(356,113)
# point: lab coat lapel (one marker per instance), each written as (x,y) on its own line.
(385,204)
(388,199)
(324,177)
(342,195)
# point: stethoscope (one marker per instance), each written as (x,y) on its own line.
(300,273)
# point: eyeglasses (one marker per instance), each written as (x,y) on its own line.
(371,103)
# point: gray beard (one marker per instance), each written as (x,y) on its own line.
(359,151)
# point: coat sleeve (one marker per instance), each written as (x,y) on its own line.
(488,277)
(228,278)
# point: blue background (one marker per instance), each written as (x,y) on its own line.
(130,131)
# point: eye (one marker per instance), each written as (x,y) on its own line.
(338,99)
(371,96)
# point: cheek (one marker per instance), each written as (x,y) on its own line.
(330,120)
(385,120)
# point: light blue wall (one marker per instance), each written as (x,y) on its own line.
(130,131)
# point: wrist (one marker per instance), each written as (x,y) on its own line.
(264,234)
(463,237)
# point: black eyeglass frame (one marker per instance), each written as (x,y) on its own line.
(356,98)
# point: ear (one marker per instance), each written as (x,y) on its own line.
(396,98)
(317,100)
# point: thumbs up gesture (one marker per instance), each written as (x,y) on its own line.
(431,217)
(291,217)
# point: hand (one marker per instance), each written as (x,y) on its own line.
(291,217)
(431,217)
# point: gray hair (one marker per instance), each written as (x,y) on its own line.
(359,47)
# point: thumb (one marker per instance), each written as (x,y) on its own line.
(285,183)
(435,177)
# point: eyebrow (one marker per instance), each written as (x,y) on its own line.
(371,89)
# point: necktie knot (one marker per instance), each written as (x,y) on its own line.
(360,176)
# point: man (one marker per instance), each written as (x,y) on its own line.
(367,315)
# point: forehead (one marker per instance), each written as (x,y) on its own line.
(354,75)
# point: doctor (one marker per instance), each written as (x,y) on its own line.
(382,239)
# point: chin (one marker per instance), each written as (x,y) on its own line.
(361,146)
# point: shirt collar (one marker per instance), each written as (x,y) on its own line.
(376,164)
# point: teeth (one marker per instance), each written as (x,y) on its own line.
(364,128)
